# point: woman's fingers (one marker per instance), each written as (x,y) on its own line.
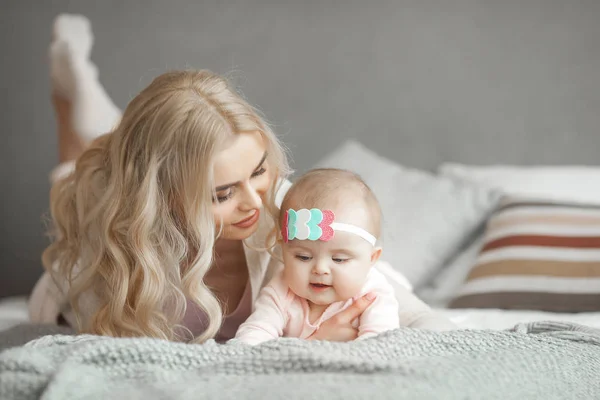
(356,309)
(339,328)
(334,333)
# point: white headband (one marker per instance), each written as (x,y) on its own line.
(316,224)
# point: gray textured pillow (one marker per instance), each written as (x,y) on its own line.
(426,218)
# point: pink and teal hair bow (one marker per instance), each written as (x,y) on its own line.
(316,224)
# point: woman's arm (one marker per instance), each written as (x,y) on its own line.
(45,302)
(414,313)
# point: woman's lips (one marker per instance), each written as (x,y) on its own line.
(248,222)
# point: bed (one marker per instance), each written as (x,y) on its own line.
(462,252)
(13,311)
(543,359)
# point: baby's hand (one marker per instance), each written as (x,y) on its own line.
(339,328)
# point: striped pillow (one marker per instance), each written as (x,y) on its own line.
(537,256)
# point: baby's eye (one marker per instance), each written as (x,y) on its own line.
(302,257)
(339,260)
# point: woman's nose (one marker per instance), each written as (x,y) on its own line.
(252,199)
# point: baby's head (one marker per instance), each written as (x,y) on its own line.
(318,267)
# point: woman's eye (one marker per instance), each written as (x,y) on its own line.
(339,260)
(259,172)
(302,258)
(222,197)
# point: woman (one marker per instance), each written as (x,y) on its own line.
(161,225)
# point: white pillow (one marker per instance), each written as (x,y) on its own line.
(565,183)
(426,218)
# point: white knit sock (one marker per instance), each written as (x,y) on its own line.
(75,77)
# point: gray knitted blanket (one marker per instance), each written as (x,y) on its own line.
(532,361)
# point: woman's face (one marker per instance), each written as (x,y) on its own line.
(242,180)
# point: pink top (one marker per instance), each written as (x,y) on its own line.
(280,312)
(196,321)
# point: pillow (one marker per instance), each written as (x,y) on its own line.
(425,218)
(537,255)
(563,183)
(442,289)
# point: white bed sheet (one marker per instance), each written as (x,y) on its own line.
(495,319)
(13,311)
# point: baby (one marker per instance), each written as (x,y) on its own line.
(330,224)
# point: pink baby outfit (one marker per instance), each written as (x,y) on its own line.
(280,312)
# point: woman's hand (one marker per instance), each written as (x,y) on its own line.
(339,327)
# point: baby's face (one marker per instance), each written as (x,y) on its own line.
(326,272)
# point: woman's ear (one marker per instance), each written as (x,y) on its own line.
(375,254)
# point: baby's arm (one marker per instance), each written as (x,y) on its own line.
(268,319)
(382,314)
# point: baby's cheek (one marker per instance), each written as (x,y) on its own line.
(292,277)
(347,287)
(288,275)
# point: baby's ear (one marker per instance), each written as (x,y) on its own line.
(375,254)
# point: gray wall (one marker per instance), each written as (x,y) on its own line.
(421,81)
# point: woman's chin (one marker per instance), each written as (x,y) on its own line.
(235,233)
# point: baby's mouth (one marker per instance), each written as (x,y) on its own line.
(319,287)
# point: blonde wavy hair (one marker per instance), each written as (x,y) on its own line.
(133,223)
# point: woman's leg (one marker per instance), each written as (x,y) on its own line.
(83,109)
(70,144)
(83,112)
